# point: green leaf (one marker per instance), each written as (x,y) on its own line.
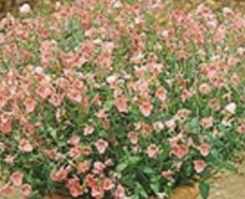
(204,189)
(121,167)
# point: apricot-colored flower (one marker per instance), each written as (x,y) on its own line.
(83,167)
(107,184)
(146,107)
(204,149)
(74,140)
(161,94)
(26,190)
(152,151)
(133,137)
(179,150)
(101,145)
(75,152)
(121,104)
(5,124)
(207,122)
(60,175)
(204,88)
(74,187)
(119,192)
(199,166)
(25,145)
(88,130)
(17,178)
(30,104)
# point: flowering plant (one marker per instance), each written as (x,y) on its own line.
(119,99)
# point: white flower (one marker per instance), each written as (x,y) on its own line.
(25,8)
(231,108)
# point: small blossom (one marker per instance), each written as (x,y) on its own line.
(88,130)
(231,108)
(60,175)
(74,140)
(26,190)
(152,151)
(204,149)
(168,174)
(30,104)
(119,192)
(25,145)
(5,124)
(25,8)
(204,88)
(107,184)
(83,167)
(74,187)
(161,94)
(133,137)
(199,166)
(17,178)
(179,150)
(207,122)
(75,152)
(101,146)
(121,104)
(146,108)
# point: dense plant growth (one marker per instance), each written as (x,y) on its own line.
(119,99)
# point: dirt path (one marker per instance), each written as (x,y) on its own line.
(229,185)
(225,185)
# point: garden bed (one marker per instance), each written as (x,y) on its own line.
(120,99)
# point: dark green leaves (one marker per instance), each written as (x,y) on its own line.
(204,189)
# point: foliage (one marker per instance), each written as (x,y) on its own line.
(104,100)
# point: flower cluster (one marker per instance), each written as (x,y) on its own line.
(119,99)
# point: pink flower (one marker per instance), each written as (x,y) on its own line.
(121,104)
(74,187)
(214,104)
(119,192)
(179,150)
(204,88)
(199,166)
(30,104)
(26,190)
(185,95)
(9,159)
(74,95)
(74,140)
(17,178)
(101,145)
(83,167)
(99,167)
(167,174)
(146,107)
(107,184)
(88,130)
(133,137)
(25,145)
(204,149)
(5,124)
(75,152)
(60,175)
(56,99)
(152,151)
(207,122)
(6,190)
(97,192)
(241,128)
(44,90)
(161,94)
